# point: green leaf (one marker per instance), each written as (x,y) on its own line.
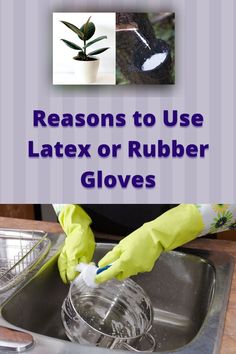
(95,40)
(74,29)
(88,30)
(85,27)
(71,44)
(98,51)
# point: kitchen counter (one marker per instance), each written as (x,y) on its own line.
(229,337)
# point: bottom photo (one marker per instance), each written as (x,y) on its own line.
(142,278)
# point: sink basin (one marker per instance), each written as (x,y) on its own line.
(188,289)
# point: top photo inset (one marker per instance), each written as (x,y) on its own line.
(145,48)
(113,48)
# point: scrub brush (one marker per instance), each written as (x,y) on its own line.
(88,273)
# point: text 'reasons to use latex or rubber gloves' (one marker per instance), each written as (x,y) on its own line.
(139,251)
(79,244)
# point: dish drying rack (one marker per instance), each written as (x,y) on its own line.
(20,252)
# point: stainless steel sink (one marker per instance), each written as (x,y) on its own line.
(189,292)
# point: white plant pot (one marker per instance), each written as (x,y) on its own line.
(86,71)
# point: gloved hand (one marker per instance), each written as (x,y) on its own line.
(79,244)
(139,251)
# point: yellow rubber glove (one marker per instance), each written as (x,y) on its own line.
(79,244)
(139,251)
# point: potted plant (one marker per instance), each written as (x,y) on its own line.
(85,64)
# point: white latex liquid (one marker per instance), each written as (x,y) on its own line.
(139,35)
(142,39)
(154,61)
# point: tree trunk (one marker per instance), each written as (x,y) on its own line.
(132,50)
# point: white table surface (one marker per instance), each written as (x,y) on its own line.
(69,78)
